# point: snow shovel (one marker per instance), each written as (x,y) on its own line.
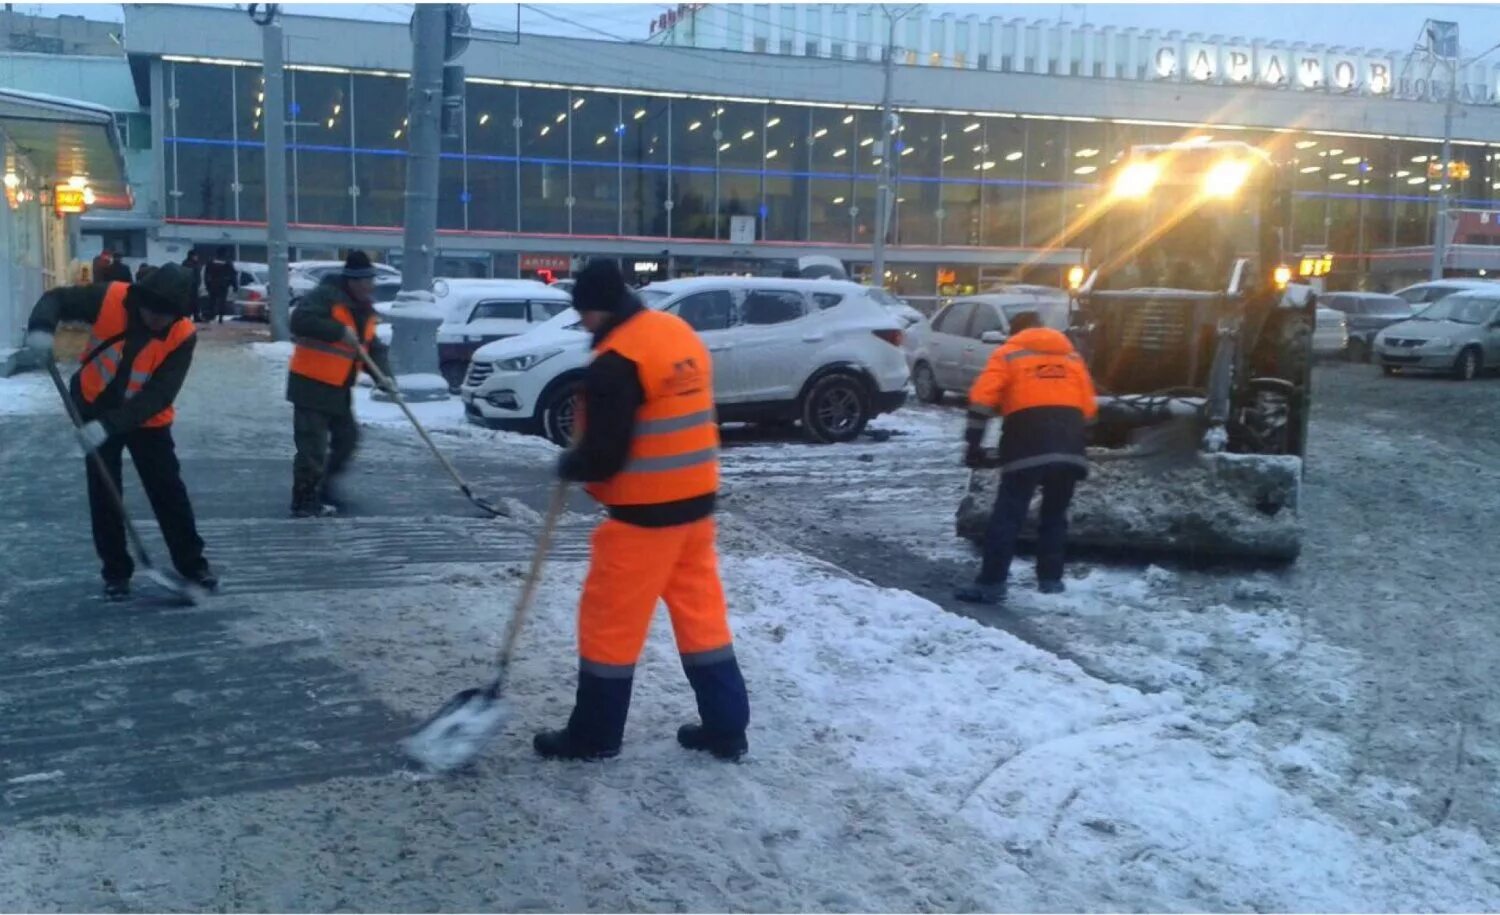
(390,388)
(177,586)
(458,731)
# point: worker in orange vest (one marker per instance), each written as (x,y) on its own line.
(328,327)
(139,350)
(649,454)
(1042,388)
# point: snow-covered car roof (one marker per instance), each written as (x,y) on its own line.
(474,289)
(693,284)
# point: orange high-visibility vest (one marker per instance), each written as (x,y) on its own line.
(330,363)
(106,348)
(674,454)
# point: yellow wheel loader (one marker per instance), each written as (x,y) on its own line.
(1200,346)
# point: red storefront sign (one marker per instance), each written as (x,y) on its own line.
(557,263)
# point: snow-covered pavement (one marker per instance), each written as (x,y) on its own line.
(1171,745)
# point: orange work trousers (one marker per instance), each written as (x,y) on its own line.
(630,569)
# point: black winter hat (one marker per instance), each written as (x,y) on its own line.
(357,266)
(601,287)
(166,290)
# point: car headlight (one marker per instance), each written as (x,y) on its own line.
(1440,342)
(525,362)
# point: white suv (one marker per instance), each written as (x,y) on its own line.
(820,352)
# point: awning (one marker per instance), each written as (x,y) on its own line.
(63,138)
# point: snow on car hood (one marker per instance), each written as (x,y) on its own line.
(559,330)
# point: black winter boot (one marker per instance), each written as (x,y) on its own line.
(564,744)
(597,726)
(728,747)
(205,578)
(116,589)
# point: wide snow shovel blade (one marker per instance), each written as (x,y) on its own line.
(180,588)
(385,382)
(1168,446)
(459,730)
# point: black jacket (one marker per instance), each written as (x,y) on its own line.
(117,414)
(612,395)
(220,275)
(313,318)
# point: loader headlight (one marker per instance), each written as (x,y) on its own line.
(1136,180)
(1226,178)
(528,361)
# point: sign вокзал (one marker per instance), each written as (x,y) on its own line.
(1304,70)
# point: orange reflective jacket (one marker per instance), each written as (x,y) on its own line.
(1038,367)
(330,363)
(106,349)
(674,452)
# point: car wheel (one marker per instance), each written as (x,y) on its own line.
(926,384)
(1469,365)
(453,372)
(558,413)
(1359,351)
(835,409)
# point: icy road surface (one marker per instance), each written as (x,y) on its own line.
(1153,740)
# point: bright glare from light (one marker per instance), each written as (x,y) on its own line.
(1136,180)
(972,127)
(1309,169)
(1085,169)
(1283,275)
(1352,160)
(78,181)
(820,133)
(12,180)
(1417,180)
(88,196)
(1075,276)
(1226,178)
(1013,156)
(1306,144)
(640,113)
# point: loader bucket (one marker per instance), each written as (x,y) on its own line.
(1218,506)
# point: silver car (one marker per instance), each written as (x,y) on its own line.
(1458,334)
(948,352)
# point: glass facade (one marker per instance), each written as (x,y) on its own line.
(574,162)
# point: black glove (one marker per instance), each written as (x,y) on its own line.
(974,457)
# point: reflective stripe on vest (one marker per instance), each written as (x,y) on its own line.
(96,374)
(330,363)
(674,453)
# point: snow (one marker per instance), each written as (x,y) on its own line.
(28,392)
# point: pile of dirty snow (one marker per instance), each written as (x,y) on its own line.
(1221,505)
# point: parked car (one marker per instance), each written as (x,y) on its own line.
(252,300)
(564,285)
(1330,333)
(304,276)
(1458,334)
(948,352)
(481,311)
(1367,313)
(1418,295)
(820,352)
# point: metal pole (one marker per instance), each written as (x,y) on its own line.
(1440,224)
(276,190)
(883,187)
(413,316)
(424,110)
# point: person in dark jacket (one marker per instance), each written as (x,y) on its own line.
(1042,388)
(328,327)
(108,268)
(193,264)
(142,271)
(649,454)
(138,355)
(219,277)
